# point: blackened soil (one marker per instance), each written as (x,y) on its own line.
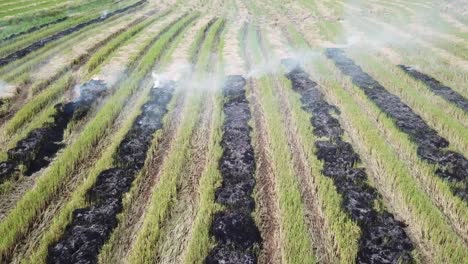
(451,166)
(41,145)
(234,230)
(92,226)
(41,43)
(437,87)
(383,238)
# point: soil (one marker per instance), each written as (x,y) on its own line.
(437,87)
(41,43)
(451,165)
(383,238)
(91,227)
(235,232)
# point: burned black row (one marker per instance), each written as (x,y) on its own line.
(92,226)
(437,87)
(42,42)
(40,146)
(383,239)
(234,229)
(451,165)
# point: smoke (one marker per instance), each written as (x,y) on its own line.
(6,90)
(187,77)
(174,72)
(274,65)
(104,14)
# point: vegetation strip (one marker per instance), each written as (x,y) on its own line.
(34,28)
(92,226)
(144,245)
(437,87)
(41,43)
(383,239)
(234,229)
(296,244)
(18,221)
(451,165)
(39,147)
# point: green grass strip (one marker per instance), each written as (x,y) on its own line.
(296,242)
(144,247)
(146,241)
(200,241)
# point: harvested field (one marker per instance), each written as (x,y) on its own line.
(233,132)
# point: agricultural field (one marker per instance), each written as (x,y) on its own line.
(233,131)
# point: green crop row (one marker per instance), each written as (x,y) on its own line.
(144,248)
(296,242)
(200,241)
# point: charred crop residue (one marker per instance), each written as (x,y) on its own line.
(42,42)
(383,238)
(92,226)
(234,230)
(451,165)
(40,146)
(437,87)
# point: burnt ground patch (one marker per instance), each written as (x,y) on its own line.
(451,166)
(234,230)
(383,238)
(40,146)
(437,87)
(42,42)
(92,226)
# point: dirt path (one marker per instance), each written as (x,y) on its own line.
(321,237)
(315,218)
(268,207)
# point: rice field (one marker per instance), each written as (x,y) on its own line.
(237,131)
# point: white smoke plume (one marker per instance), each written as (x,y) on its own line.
(6,90)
